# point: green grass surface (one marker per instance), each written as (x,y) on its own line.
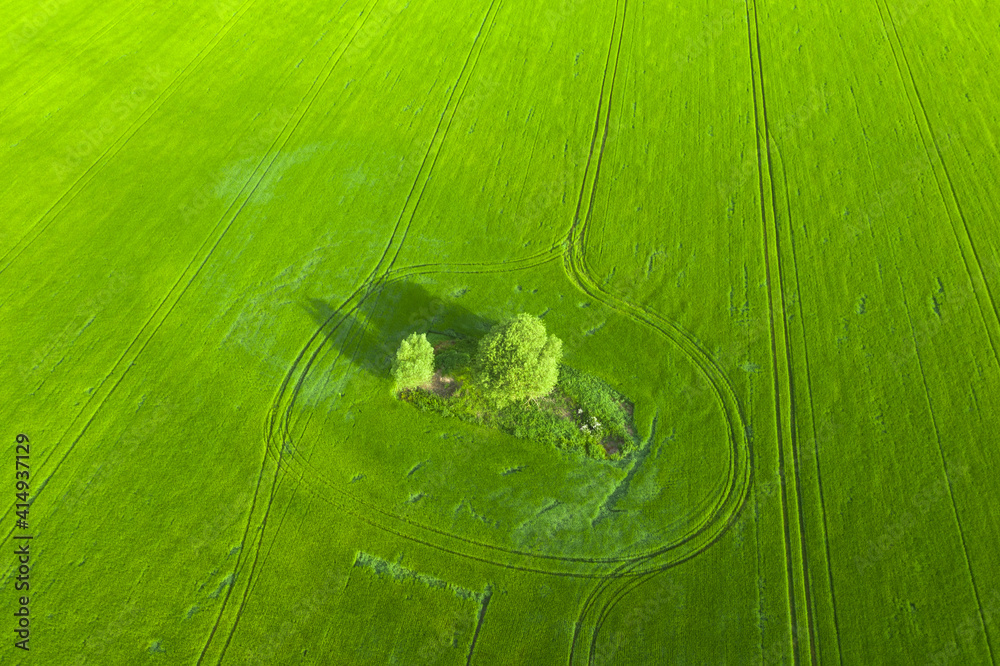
(770,226)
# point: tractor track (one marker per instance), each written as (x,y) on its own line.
(815,439)
(192,270)
(786,431)
(947,478)
(77,186)
(979,276)
(368,286)
(619,583)
(74,57)
(790,583)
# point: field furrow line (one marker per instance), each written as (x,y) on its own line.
(608,585)
(249,580)
(63,62)
(277,525)
(815,437)
(152,324)
(794,411)
(603,597)
(947,476)
(552,253)
(628,588)
(774,356)
(451,109)
(576,228)
(584,228)
(733,500)
(784,398)
(627,578)
(952,204)
(77,186)
(434,148)
(408,212)
(239,558)
(374,279)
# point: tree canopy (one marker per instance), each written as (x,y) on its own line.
(414,362)
(517,360)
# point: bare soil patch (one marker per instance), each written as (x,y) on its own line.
(612,445)
(629,409)
(444,344)
(442,385)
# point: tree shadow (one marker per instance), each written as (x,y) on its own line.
(370,335)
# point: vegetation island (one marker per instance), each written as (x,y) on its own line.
(512,379)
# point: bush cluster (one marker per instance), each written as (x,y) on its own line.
(501,379)
(597,400)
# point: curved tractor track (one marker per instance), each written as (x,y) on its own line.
(616,576)
(618,584)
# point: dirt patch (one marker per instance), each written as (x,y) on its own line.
(557,403)
(612,445)
(442,385)
(444,344)
(629,410)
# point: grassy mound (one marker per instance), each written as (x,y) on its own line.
(581,414)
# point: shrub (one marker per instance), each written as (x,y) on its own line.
(600,402)
(450,360)
(414,362)
(516,360)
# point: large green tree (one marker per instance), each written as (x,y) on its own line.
(414,362)
(517,360)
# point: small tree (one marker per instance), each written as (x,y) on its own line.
(516,360)
(414,362)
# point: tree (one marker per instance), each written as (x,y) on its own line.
(414,362)
(517,360)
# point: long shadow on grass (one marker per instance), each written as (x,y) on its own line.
(370,335)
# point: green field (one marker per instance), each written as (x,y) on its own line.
(773,227)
